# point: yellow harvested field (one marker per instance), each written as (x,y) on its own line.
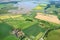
(49,18)
(9,16)
(38,8)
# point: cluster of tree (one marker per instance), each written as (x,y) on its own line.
(53,7)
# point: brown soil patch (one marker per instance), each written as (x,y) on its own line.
(50,18)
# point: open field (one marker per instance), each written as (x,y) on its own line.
(53,35)
(32,29)
(19,22)
(30,20)
(49,18)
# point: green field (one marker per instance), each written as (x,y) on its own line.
(2,5)
(34,29)
(53,35)
(31,28)
(19,22)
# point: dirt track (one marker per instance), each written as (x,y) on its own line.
(50,18)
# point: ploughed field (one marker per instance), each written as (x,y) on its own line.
(32,27)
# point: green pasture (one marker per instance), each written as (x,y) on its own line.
(5,30)
(2,5)
(32,29)
(53,35)
(7,25)
(20,22)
